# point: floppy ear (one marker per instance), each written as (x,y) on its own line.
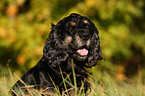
(54,51)
(95,53)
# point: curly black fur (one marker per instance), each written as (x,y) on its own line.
(73,38)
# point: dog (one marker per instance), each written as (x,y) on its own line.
(73,44)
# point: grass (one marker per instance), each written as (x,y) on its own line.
(106,87)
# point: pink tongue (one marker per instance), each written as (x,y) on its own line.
(82,51)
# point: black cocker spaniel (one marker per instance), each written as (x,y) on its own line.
(72,43)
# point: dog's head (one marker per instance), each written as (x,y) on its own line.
(73,37)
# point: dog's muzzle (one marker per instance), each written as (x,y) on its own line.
(84,34)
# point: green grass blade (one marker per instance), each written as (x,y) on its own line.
(74,77)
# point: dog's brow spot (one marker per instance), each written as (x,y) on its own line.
(86,21)
(73,23)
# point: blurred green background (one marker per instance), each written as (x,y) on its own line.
(25,26)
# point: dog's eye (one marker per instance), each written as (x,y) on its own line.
(87,26)
(70,28)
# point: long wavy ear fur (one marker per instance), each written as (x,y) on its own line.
(54,51)
(95,50)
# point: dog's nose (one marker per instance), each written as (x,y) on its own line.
(84,35)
